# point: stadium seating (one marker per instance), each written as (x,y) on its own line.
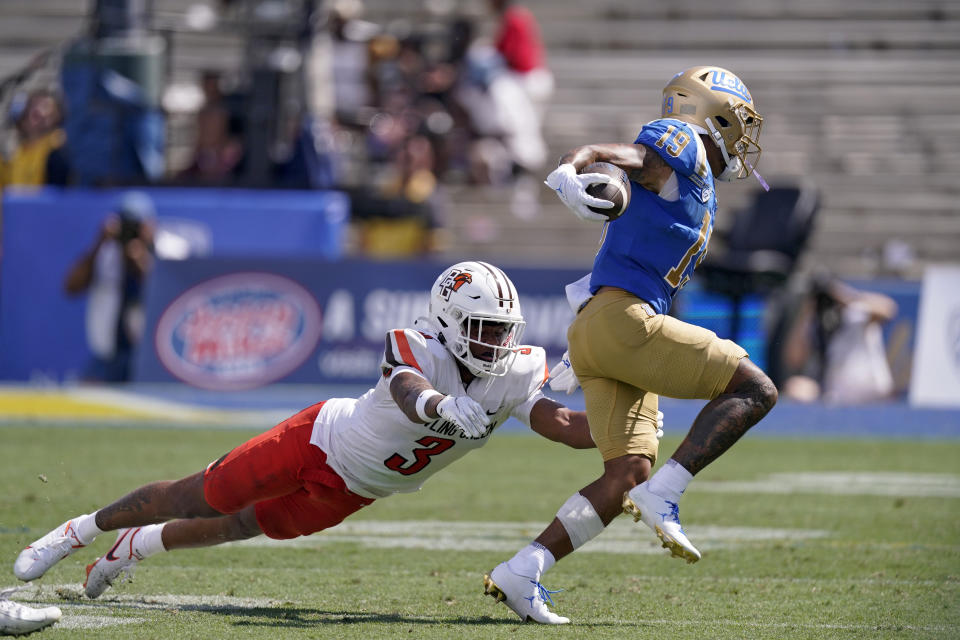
(860,98)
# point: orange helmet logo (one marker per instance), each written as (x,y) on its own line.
(453,281)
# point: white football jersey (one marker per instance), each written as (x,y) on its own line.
(378,451)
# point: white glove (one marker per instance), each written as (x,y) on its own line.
(659,424)
(562,377)
(466,413)
(572,190)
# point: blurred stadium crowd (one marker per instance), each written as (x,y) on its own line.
(403,100)
(317,97)
(439,119)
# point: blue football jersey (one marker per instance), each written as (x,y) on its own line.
(653,248)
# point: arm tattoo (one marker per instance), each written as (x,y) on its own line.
(405,389)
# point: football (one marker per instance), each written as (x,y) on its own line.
(617,192)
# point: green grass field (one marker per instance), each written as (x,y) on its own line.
(801,539)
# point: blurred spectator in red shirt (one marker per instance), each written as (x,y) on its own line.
(521,46)
(519,38)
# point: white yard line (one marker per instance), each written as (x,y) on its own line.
(94,615)
(80,613)
(622,536)
(72,620)
(862,483)
(366,569)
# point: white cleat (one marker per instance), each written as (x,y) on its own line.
(40,555)
(18,619)
(120,559)
(663,516)
(524,595)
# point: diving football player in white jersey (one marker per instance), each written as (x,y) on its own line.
(445,386)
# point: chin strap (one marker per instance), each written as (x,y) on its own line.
(763,183)
(718,138)
(731,167)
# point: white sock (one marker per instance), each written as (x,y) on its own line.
(86,527)
(148,541)
(532,561)
(670,481)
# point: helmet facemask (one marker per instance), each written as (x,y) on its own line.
(741,153)
(496,339)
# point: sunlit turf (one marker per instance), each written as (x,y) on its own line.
(879,566)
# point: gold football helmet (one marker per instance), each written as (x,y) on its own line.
(718,104)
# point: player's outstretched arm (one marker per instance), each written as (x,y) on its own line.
(420,402)
(406,388)
(556,422)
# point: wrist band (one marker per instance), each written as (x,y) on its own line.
(422,399)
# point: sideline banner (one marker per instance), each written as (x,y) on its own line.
(228,324)
(45,231)
(936,363)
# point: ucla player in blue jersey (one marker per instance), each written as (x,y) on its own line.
(624,350)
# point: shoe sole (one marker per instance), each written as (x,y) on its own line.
(106,583)
(490,588)
(677,550)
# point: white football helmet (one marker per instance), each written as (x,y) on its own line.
(467,297)
(716,103)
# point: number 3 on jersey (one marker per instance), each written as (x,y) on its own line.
(431,447)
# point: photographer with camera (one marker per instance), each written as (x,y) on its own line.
(829,343)
(112,274)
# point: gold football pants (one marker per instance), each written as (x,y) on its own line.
(626,355)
